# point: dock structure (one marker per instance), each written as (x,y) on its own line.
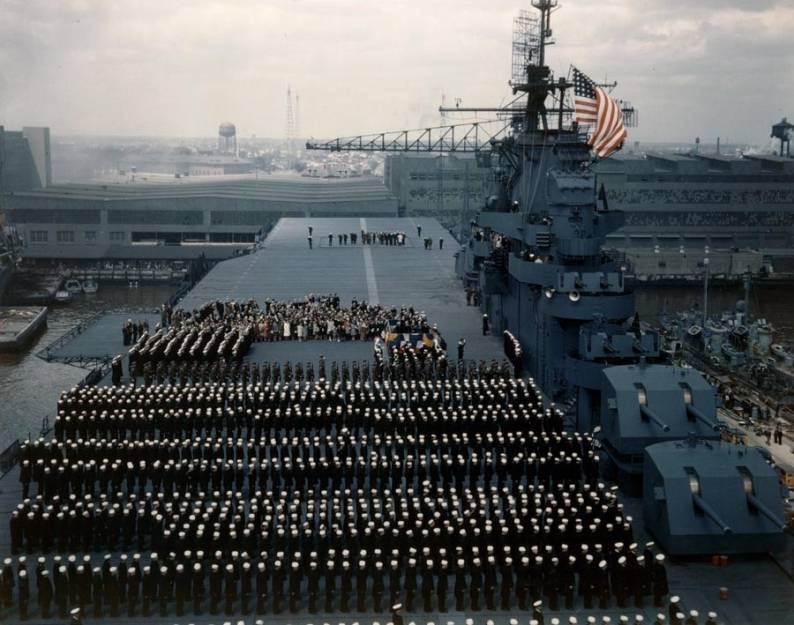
(391,275)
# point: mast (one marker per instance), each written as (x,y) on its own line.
(537,85)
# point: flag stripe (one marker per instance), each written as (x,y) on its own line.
(594,107)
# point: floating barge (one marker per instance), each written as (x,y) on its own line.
(19,324)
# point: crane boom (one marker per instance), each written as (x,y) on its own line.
(471,137)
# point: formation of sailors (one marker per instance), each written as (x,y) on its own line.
(334,581)
(190,344)
(323,496)
(228,329)
(223,332)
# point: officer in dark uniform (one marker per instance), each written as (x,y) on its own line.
(133,589)
(330,585)
(378,587)
(116,371)
(163,590)
(490,583)
(246,587)
(442,585)
(475,585)
(45,593)
(216,587)
(659,581)
(278,586)
(7,583)
(361,586)
(506,593)
(602,585)
(460,585)
(395,582)
(313,587)
(23,595)
(230,589)
(410,584)
(262,585)
(346,589)
(295,580)
(182,588)
(148,591)
(197,588)
(61,583)
(522,583)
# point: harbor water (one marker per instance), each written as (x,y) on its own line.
(29,386)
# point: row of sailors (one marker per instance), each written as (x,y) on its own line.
(483,467)
(296,418)
(492,409)
(436,515)
(428,365)
(340,581)
(452,454)
(446,394)
(187,372)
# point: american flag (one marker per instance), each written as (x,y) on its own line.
(593,107)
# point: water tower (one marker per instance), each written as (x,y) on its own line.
(227,138)
(783,131)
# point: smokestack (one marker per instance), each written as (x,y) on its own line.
(697,145)
(718,145)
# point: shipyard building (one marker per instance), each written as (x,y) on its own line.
(669,201)
(181,219)
(25,161)
(450,188)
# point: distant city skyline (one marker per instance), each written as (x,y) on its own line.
(709,68)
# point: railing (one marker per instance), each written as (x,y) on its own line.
(9,457)
(45,354)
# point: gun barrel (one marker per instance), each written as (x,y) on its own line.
(697,414)
(764,509)
(653,417)
(711,514)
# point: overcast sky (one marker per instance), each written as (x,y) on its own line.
(179,68)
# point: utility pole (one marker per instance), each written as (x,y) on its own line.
(705,287)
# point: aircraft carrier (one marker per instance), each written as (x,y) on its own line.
(556,470)
(758,589)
